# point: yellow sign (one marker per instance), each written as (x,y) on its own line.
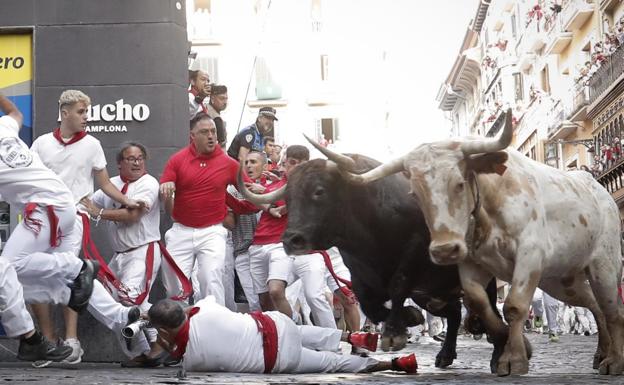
(15,59)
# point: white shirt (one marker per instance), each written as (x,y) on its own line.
(221,340)
(194,107)
(23,177)
(125,236)
(75,164)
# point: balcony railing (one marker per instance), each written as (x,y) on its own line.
(607,74)
(576,13)
(557,38)
(580,101)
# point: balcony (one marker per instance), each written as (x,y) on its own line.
(526,60)
(580,103)
(575,14)
(557,38)
(534,37)
(559,128)
(607,75)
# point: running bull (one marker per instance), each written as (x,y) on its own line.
(383,238)
(494,212)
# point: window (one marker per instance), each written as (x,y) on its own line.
(545,78)
(514,27)
(518,86)
(324,67)
(327,129)
(316,15)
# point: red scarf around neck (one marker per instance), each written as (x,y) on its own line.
(181,339)
(124,188)
(76,137)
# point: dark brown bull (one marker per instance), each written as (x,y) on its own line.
(382,236)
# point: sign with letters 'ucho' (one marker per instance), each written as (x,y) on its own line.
(16,76)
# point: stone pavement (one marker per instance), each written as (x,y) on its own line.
(566,362)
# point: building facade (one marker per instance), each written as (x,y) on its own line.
(559,65)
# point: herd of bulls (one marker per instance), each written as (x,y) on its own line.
(448,218)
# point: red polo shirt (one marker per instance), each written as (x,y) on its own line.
(201,182)
(270,229)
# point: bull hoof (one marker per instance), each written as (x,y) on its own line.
(393,343)
(597,360)
(512,367)
(444,361)
(612,366)
(528,348)
(508,365)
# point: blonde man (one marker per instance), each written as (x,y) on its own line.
(78,159)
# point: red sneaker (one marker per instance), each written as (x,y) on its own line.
(364,340)
(405,364)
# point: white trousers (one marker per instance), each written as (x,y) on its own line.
(271,262)
(130,268)
(44,271)
(544,303)
(206,246)
(15,318)
(228,275)
(244,276)
(312,349)
(113,315)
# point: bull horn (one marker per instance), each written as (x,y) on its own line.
(491,145)
(258,199)
(343,161)
(377,173)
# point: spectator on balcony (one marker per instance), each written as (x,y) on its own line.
(597,167)
(607,156)
(616,148)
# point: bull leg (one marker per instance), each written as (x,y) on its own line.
(576,291)
(394,336)
(452,313)
(604,277)
(473,280)
(515,359)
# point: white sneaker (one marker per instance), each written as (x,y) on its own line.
(76,356)
(41,364)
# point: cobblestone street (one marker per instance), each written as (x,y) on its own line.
(566,362)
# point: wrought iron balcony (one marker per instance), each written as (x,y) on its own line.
(607,74)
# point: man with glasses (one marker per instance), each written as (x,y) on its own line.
(78,159)
(134,236)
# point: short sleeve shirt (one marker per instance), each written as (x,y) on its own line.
(125,236)
(250,138)
(74,163)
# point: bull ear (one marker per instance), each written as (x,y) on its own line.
(490,163)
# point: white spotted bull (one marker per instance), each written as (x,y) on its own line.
(495,212)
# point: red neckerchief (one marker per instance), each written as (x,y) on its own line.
(201,102)
(124,188)
(76,137)
(181,339)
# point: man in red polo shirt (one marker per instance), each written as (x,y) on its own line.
(212,338)
(193,187)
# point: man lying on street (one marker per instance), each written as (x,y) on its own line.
(212,338)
